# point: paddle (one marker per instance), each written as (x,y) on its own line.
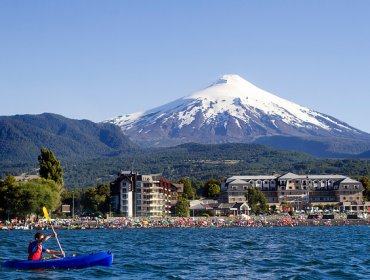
(46,214)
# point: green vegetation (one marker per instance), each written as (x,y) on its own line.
(182,207)
(257,201)
(28,197)
(212,188)
(96,200)
(198,162)
(87,185)
(188,188)
(50,167)
(193,165)
(22,136)
(20,199)
(73,197)
(366,183)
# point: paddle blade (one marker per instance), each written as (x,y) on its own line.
(46,214)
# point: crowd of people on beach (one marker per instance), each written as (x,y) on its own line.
(183,222)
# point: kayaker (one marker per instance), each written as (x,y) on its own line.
(35,248)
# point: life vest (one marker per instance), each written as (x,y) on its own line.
(34,256)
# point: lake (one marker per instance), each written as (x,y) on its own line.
(311,252)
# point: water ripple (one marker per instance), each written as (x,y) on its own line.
(227,253)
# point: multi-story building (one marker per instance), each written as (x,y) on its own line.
(174,191)
(301,190)
(122,192)
(237,187)
(134,195)
(151,198)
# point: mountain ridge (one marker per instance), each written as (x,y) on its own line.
(22,136)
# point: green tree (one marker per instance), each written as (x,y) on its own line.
(104,192)
(50,167)
(212,188)
(5,184)
(38,193)
(96,199)
(89,201)
(24,198)
(257,200)
(198,186)
(182,207)
(366,184)
(188,189)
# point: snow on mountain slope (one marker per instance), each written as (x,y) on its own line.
(229,110)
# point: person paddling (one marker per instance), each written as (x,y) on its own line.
(35,248)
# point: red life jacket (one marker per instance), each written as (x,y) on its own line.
(37,255)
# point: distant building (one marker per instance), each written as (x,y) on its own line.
(300,190)
(26,177)
(135,195)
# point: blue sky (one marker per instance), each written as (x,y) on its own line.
(99,59)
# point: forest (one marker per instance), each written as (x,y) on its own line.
(196,161)
(85,184)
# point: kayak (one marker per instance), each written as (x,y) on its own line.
(82,261)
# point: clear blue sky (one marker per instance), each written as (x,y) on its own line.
(99,59)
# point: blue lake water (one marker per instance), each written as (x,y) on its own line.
(211,253)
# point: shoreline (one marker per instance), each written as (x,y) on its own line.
(178,222)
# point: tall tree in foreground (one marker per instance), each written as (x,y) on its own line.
(50,167)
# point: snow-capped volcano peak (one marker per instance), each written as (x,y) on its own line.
(231,85)
(231,79)
(230,92)
(230,110)
(235,88)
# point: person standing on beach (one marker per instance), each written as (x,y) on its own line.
(35,248)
